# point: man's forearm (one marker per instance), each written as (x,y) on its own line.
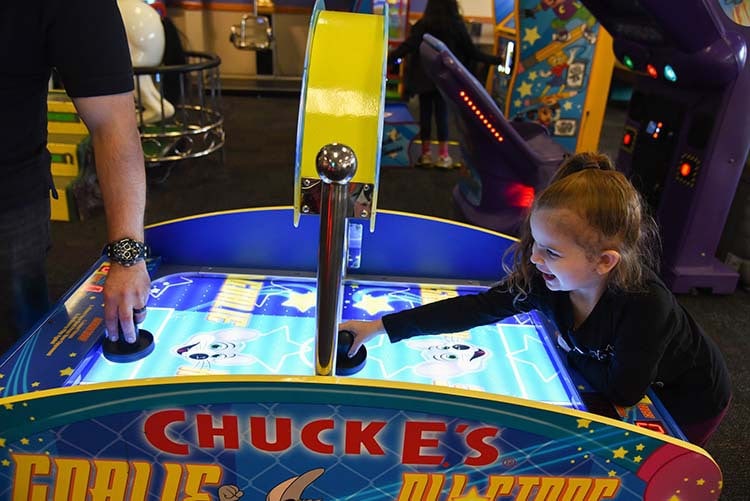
(119,162)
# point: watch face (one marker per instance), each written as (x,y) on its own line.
(127,251)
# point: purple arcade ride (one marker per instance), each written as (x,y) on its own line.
(685,141)
(509,161)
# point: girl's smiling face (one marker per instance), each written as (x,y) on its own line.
(564,264)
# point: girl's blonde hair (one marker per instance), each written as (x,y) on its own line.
(588,185)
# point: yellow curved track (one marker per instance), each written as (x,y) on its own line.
(343,92)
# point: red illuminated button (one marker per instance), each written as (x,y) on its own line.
(651,70)
(627,139)
(686,169)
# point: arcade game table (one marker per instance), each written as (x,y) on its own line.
(226,405)
(227,401)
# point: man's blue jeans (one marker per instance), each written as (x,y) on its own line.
(24,243)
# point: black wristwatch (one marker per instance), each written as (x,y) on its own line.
(127,251)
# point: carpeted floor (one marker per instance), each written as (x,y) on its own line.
(257,170)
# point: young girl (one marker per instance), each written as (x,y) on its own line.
(586,260)
(442,20)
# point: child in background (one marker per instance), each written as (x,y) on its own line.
(586,259)
(442,20)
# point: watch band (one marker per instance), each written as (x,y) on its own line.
(127,251)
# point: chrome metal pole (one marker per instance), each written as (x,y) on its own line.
(336,165)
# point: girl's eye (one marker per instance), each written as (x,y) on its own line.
(552,254)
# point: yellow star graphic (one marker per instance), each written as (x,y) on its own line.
(517,103)
(583,423)
(524,89)
(700,481)
(612,473)
(302,302)
(9,407)
(2,375)
(531,35)
(533,75)
(473,495)
(567,105)
(5,462)
(640,447)
(373,305)
(2,388)
(35,384)
(66,371)
(619,453)
(73,355)
(24,441)
(2,442)
(637,459)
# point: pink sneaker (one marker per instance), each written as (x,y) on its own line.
(444,162)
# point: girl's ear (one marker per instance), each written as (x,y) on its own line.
(608,259)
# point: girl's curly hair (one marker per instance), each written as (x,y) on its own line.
(588,185)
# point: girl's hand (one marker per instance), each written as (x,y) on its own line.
(362,331)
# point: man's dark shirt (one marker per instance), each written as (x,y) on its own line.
(85,41)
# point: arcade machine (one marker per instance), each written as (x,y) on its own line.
(504,32)
(687,133)
(226,406)
(562,71)
(400,128)
(508,161)
(552,95)
(398,30)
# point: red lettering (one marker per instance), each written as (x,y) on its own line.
(311,433)
(486,453)
(155,429)
(414,441)
(259,437)
(228,430)
(358,436)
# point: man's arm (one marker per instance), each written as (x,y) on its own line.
(122,178)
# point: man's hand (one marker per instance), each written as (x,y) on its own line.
(125,290)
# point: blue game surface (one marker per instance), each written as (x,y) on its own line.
(235,324)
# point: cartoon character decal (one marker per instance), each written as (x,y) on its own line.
(290,489)
(447,358)
(565,11)
(222,347)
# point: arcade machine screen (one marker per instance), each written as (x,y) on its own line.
(240,324)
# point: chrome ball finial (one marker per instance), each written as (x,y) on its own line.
(336,163)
